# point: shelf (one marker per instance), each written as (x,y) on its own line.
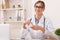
(1,22)
(14,21)
(13,9)
(10,22)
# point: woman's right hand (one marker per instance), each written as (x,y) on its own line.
(27,22)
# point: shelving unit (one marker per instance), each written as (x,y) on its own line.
(15,17)
(14,14)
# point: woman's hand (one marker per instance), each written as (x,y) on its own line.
(36,27)
(27,22)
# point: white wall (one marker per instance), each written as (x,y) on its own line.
(0,1)
(30,7)
(52,10)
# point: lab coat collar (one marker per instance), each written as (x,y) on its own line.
(41,20)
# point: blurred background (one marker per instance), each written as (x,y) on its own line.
(14,12)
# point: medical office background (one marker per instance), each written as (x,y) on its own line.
(12,31)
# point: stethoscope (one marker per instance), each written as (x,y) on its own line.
(38,22)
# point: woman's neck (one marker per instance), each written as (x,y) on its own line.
(38,16)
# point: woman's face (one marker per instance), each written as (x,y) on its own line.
(39,8)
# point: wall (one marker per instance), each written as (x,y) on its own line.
(0,4)
(53,11)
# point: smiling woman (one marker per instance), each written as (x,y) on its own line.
(39,23)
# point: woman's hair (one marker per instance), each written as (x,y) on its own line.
(43,4)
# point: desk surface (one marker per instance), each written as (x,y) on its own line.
(50,39)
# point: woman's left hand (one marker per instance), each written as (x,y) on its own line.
(35,27)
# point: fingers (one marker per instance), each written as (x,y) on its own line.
(38,28)
(27,22)
(34,27)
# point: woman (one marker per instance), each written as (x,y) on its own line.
(38,24)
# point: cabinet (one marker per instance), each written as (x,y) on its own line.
(14,15)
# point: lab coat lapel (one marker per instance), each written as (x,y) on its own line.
(40,21)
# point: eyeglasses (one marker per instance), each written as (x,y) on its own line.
(38,7)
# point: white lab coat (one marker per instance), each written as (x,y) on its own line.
(38,34)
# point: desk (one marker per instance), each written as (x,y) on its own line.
(4,32)
(50,39)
